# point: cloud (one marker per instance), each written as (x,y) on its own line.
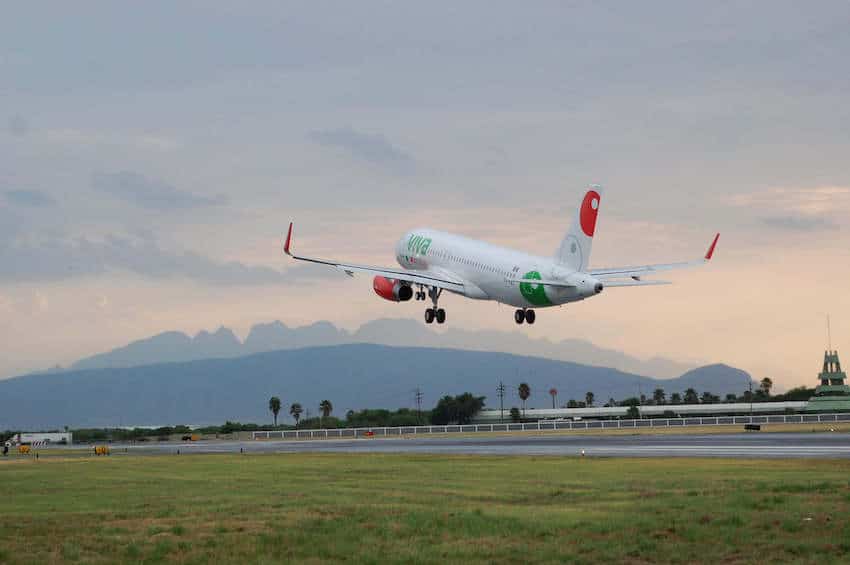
(808,201)
(18,126)
(58,259)
(42,302)
(148,193)
(798,209)
(30,198)
(100,138)
(800,223)
(371,148)
(10,225)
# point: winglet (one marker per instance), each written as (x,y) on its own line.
(288,240)
(711,249)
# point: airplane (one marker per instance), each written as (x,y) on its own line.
(433,261)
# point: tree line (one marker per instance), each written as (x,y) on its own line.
(762,393)
(459,409)
(449,409)
(462,408)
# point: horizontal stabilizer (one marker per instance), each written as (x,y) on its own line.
(608,284)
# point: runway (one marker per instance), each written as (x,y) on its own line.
(739,445)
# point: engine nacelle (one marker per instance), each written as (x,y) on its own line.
(391,289)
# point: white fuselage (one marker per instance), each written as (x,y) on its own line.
(490,272)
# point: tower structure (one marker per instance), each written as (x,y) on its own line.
(832,392)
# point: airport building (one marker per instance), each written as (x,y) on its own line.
(832,393)
(42,438)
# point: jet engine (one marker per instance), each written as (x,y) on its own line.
(391,289)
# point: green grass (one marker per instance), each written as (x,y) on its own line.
(422,509)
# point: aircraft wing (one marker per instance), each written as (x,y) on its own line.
(637,272)
(611,283)
(545,282)
(426,277)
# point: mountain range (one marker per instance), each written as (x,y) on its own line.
(175,346)
(351,376)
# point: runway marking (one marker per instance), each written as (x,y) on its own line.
(823,445)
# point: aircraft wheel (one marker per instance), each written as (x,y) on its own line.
(530,316)
(429,315)
(441,316)
(519,316)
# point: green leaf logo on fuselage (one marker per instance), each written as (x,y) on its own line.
(534,293)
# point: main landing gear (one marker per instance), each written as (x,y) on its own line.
(523,315)
(434,313)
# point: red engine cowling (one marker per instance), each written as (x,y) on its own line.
(391,289)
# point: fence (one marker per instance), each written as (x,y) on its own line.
(543,425)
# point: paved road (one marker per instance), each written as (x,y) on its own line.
(741,445)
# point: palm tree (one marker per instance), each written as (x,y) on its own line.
(553,392)
(326,407)
(588,399)
(524,393)
(766,384)
(274,406)
(658,396)
(691,396)
(295,411)
(675,398)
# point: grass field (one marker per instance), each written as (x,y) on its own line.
(424,509)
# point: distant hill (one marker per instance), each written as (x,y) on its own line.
(176,346)
(722,377)
(351,376)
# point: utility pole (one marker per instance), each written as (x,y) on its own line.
(640,401)
(419,395)
(751,400)
(501,391)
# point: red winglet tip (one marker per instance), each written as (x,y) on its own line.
(711,249)
(288,240)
